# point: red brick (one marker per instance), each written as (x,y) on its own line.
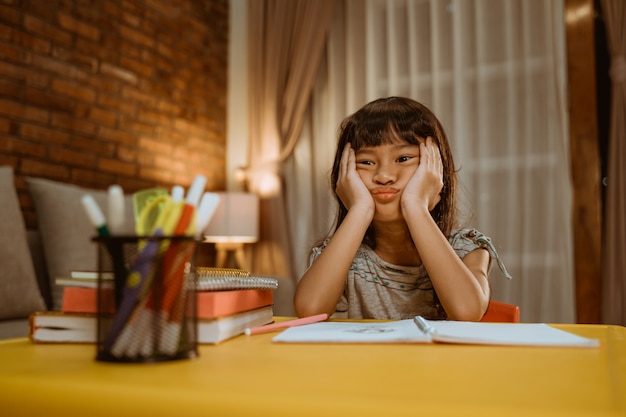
(40,98)
(167,163)
(169,107)
(95,146)
(10,53)
(91,178)
(153,117)
(137,127)
(10,89)
(38,168)
(10,15)
(5,125)
(117,135)
(52,65)
(22,147)
(73,90)
(107,49)
(6,33)
(82,29)
(102,117)
(87,63)
(30,42)
(131,20)
(25,112)
(103,85)
(154,145)
(116,166)
(166,9)
(127,154)
(45,10)
(71,157)
(131,93)
(8,160)
(157,174)
(136,36)
(46,30)
(143,69)
(20,73)
(121,73)
(117,104)
(72,124)
(44,134)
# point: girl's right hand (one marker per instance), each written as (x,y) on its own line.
(350,188)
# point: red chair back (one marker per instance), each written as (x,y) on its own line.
(501,312)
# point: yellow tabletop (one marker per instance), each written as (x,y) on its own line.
(251,376)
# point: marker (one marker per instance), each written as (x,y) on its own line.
(187,217)
(208,205)
(178,193)
(116,209)
(423,325)
(95,215)
(286,324)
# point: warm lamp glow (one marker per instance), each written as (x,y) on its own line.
(235,222)
(236,219)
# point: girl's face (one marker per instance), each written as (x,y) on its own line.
(385,170)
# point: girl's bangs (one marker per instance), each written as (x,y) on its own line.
(382,132)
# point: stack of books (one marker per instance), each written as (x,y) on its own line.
(228,302)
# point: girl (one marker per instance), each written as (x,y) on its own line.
(393,253)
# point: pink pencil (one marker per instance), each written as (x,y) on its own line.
(285,324)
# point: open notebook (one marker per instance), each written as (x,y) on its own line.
(420,330)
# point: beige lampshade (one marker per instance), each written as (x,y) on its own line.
(236,219)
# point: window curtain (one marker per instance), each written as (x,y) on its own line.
(614,272)
(286,39)
(494,73)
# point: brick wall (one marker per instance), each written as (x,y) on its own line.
(129,92)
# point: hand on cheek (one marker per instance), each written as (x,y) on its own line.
(350,187)
(425,185)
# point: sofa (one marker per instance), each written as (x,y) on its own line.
(31,260)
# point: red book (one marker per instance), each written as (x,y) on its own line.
(211,304)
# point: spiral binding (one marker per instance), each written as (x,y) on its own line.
(208,272)
(221,279)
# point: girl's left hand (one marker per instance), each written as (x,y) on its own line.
(424,188)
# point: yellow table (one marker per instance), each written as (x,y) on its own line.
(251,376)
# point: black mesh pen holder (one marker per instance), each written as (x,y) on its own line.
(154,314)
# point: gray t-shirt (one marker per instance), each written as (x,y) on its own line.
(376,289)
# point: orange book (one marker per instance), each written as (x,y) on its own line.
(211,304)
(85,300)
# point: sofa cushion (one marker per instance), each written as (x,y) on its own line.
(19,292)
(65,229)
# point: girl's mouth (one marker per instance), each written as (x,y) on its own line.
(384,194)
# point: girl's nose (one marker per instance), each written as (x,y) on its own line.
(384,176)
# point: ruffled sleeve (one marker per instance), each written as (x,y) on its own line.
(466,240)
(317,251)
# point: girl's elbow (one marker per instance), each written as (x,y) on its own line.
(468,313)
(305,307)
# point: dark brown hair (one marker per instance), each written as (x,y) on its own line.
(386,120)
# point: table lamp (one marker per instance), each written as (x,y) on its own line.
(235,222)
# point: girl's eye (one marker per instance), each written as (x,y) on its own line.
(364,162)
(404,158)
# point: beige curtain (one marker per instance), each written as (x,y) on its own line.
(614,279)
(286,39)
(494,72)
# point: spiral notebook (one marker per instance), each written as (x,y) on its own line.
(222,279)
